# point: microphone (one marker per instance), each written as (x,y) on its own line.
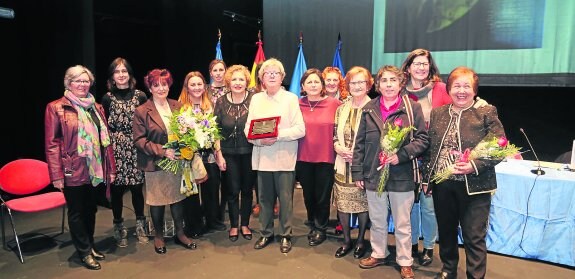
(538,170)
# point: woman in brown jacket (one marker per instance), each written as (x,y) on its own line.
(150,134)
(79,156)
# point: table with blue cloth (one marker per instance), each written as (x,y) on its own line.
(533,216)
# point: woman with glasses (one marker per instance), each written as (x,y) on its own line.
(424,85)
(316,156)
(80,157)
(120,103)
(274,157)
(378,116)
(349,198)
(151,120)
(235,154)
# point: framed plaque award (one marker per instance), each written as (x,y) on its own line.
(263,128)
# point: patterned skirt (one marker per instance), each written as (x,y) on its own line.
(163,188)
(349,198)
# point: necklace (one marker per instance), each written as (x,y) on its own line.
(314,105)
(243,99)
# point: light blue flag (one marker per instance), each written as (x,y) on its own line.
(219,51)
(298,71)
(337,58)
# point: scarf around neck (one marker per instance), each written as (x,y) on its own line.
(90,140)
(421,92)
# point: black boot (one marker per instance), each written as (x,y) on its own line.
(426,257)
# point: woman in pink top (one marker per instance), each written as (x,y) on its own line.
(316,155)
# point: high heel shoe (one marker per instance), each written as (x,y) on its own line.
(247,236)
(160,250)
(233,238)
(343,250)
(192,245)
(359,251)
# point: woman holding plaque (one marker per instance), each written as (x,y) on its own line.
(275,152)
(349,198)
(315,158)
(237,175)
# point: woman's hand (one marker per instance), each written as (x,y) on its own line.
(463,168)
(359,184)
(59,184)
(348,156)
(268,141)
(393,160)
(202,180)
(220,160)
(170,153)
(345,153)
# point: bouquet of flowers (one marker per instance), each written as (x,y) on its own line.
(390,144)
(189,130)
(490,148)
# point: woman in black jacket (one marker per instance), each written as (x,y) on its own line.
(377,116)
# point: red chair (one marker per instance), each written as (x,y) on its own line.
(26,177)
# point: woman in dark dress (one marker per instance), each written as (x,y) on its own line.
(120,103)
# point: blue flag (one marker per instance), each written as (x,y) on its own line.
(298,71)
(336,56)
(219,51)
(218,54)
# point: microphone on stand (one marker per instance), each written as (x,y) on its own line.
(538,170)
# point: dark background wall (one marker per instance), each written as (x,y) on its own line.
(47,37)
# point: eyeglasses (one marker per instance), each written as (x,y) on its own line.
(78,81)
(272,73)
(358,83)
(419,64)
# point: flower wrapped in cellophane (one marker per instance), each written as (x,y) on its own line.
(189,130)
(490,148)
(390,144)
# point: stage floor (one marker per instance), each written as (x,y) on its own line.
(217,257)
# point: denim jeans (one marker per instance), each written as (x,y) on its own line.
(423,222)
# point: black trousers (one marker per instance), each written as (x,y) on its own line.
(316,180)
(117,196)
(193,219)
(82,207)
(210,191)
(239,178)
(454,207)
